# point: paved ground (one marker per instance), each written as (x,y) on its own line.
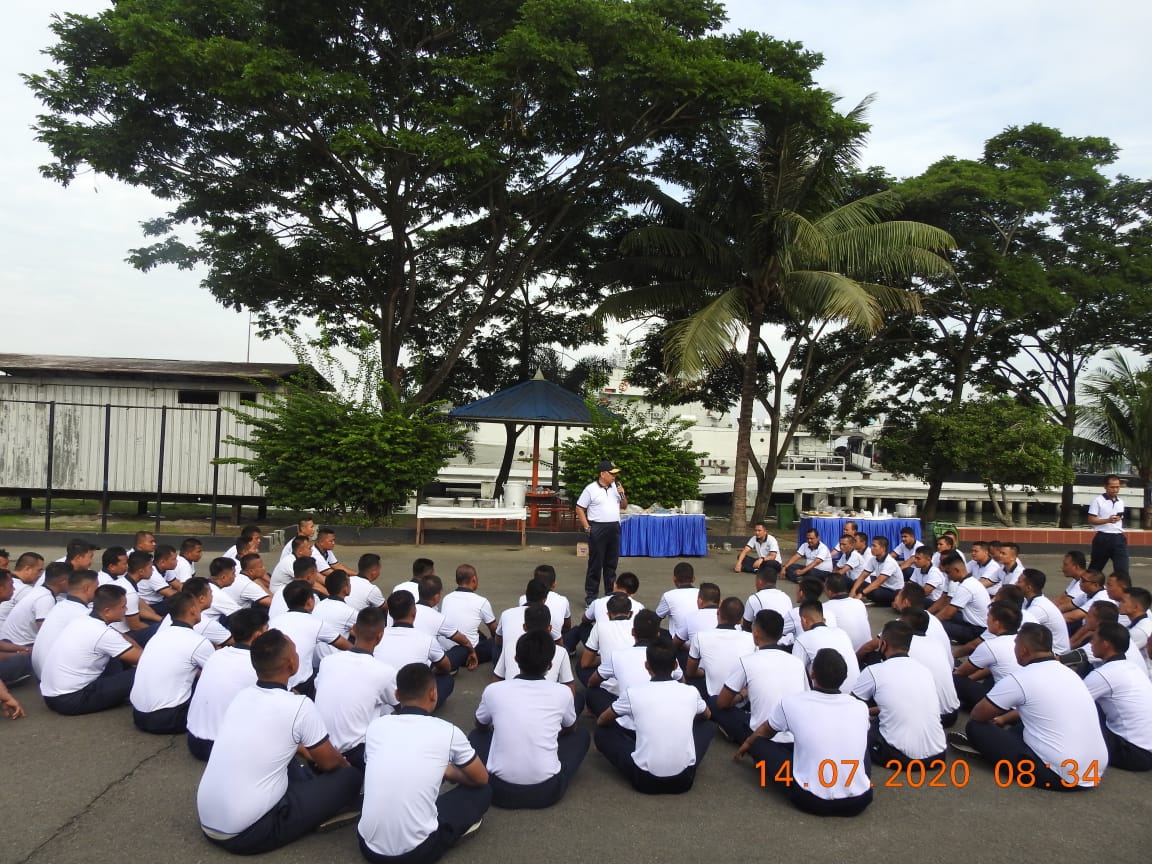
(94,790)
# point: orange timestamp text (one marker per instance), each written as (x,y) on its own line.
(937,773)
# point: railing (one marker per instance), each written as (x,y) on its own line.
(812,463)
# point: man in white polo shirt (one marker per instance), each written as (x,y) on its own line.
(1042,609)
(168,668)
(927,575)
(714,653)
(881,577)
(758,551)
(82,585)
(537,617)
(1122,690)
(413,821)
(993,658)
(828,726)
(28,616)
(256,795)
(598,509)
(84,672)
(353,688)
(661,751)
(938,661)
(964,609)
(817,560)
(1106,516)
(679,603)
(908,725)
(526,731)
(402,644)
(624,666)
(819,634)
(465,610)
(363,590)
(226,673)
(15,660)
(767,596)
(432,621)
(1042,713)
(850,613)
(306,632)
(285,570)
(611,632)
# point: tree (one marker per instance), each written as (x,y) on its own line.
(658,467)
(1118,418)
(413,169)
(1002,441)
(767,237)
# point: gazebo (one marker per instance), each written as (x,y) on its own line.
(536,403)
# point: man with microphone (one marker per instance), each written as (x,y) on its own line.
(598,509)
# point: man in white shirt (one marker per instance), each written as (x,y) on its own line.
(679,603)
(1042,609)
(926,650)
(191,551)
(1091,592)
(964,609)
(908,724)
(256,795)
(850,562)
(850,613)
(927,575)
(401,644)
(537,617)
(284,572)
(984,566)
(1044,714)
(413,821)
(512,620)
(881,578)
(248,541)
(466,611)
(992,659)
(363,588)
(226,673)
(84,672)
(905,549)
(335,610)
(1124,694)
(758,551)
(828,726)
(306,632)
(667,740)
(715,652)
(72,604)
(1106,516)
(15,660)
(250,587)
(815,555)
(555,601)
(611,632)
(704,618)
(817,635)
(627,585)
(353,688)
(25,575)
(431,620)
(767,596)
(324,552)
(28,616)
(623,666)
(767,675)
(598,509)
(1135,607)
(168,669)
(526,731)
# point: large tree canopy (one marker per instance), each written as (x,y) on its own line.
(414,168)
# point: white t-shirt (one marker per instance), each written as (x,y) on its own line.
(822,636)
(905,692)
(677,604)
(769,674)
(510,627)
(283,573)
(719,651)
(225,673)
(61,615)
(997,655)
(131,598)
(932,580)
(559,607)
(826,727)
(662,713)
(1124,694)
(560,671)
(767,598)
(939,663)
(184,569)
(600,504)
(19,589)
(1139,633)
(1058,715)
(526,717)
(889,568)
(465,611)
(209,627)
(1102,507)
(762,549)
(851,616)
(625,668)
(245,592)
(247,773)
(150,588)
(306,632)
(990,572)
(362,593)
(793,628)
(80,656)
(598,611)
(341,616)
(855,563)
(903,551)
(1047,613)
(401,645)
(411,587)
(432,622)
(353,688)
(971,598)
(820,552)
(398,817)
(20,628)
(223,603)
(608,636)
(695,622)
(168,667)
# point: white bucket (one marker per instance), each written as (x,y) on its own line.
(694,508)
(514,493)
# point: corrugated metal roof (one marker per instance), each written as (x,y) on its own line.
(135,367)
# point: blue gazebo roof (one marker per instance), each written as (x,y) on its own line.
(537,401)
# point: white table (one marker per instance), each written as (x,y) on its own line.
(516,514)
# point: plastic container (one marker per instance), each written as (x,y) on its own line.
(514,493)
(785,516)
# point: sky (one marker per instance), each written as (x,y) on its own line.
(947,75)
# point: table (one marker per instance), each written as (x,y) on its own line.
(831,527)
(516,514)
(671,536)
(538,501)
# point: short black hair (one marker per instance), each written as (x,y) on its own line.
(270,651)
(111,555)
(335,582)
(430,586)
(950,558)
(137,561)
(298,541)
(535,651)
(78,546)
(1116,635)
(367,561)
(107,597)
(243,624)
(197,586)
(836,583)
(301,567)
(537,617)
(421,566)
(249,531)
(401,604)
(646,625)
(770,623)
(661,657)
(627,582)
(218,565)
(546,573)
(811,589)
(683,573)
(1035,637)
(180,602)
(914,594)
(1077,557)
(464,574)
(80,577)
(731,610)
(1142,596)
(1035,578)
(829,669)
(810,608)
(371,621)
(1012,594)
(1006,615)
(246,560)
(414,680)
(898,634)
(618,604)
(1105,612)
(536,591)
(28,559)
(917,619)
(163,551)
(709,593)
(57,572)
(325,531)
(190,544)
(882,541)
(296,594)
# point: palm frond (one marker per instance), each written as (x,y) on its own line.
(664,299)
(833,296)
(892,250)
(894,300)
(860,213)
(702,341)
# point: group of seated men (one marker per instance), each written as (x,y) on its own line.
(325,665)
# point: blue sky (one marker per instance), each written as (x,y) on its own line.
(947,76)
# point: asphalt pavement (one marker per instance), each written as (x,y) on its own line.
(95,790)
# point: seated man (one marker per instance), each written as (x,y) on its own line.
(611,632)
(624,666)
(168,668)
(526,731)
(818,634)
(828,726)
(816,557)
(84,672)
(353,688)
(706,617)
(401,644)
(255,794)
(412,822)
(466,611)
(767,596)
(627,585)
(431,620)
(539,618)
(964,609)
(849,613)
(363,590)
(758,551)
(994,657)
(661,755)
(881,578)
(15,660)
(1124,695)
(678,603)
(82,585)
(306,632)
(1044,714)
(226,673)
(713,654)
(28,616)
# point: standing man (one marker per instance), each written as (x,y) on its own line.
(598,509)
(1106,516)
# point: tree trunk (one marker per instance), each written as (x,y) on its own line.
(511,434)
(764,493)
(738,521)
(999,505)
(1067,504)
(1146,515)
(931,502)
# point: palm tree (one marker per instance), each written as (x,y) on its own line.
(1118,418)
(767,237)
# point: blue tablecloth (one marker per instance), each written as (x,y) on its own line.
(663,536)
(831,528)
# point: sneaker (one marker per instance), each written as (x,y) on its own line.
(959,741)
(473,827)
(867,601)
(338,821)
